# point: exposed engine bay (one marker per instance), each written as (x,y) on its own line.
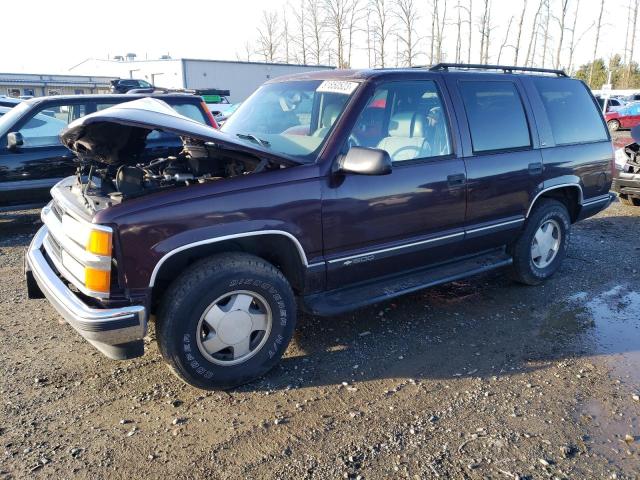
(122,175)
(118,158)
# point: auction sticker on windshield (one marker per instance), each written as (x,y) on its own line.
(337,86)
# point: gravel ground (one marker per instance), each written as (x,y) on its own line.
(476,379)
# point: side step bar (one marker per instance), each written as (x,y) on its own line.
(350,298)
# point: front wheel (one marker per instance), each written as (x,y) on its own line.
(226,321)
(541,247)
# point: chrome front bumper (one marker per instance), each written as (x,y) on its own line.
(118,333)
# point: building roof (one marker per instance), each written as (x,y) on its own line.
(125,62)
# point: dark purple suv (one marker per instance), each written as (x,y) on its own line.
(325,191)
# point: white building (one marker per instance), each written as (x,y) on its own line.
(241,78)
(38,85)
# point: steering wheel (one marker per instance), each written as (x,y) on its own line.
(353,141)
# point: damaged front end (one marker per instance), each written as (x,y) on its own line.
(130,150)
(626,180)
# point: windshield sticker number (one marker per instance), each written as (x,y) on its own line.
(337,86)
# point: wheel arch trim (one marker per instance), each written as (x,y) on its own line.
(207,241)
(556,187)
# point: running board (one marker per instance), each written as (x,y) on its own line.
(350,298)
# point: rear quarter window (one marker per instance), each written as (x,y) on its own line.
(495,114)
(572,114)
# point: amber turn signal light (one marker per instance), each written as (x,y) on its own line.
(99,242)
(97,280)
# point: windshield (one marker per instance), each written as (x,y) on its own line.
(8,120)
(292,118)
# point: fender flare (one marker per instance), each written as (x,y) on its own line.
(168,255)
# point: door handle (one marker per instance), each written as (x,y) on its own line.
(535,168)
(456,179)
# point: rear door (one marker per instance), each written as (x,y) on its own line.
(501,153)
(380,225)
(576,145)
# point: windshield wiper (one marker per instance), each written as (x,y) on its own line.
(253,138)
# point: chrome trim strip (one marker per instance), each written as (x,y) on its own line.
(495,225)
(597,200)
(316,264)
(167,255)
(555,187)
(398,247)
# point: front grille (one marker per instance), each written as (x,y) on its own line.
(57,211)
(56,249)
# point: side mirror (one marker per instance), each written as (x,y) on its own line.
(14,140)
(364,161)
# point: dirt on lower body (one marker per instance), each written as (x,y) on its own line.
(477,379)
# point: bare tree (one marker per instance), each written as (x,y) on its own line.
(572,40)
(519,36)
(300,38)
(381,30)
(354,19)
(441,21)
(485,32)
(597,40)
(407,14)
(370,42)
(336,22)
(246,54)
(545,32)
(434,26)
(316,29)
(470,11)
(458,32)
(506,40)
(564,5)
(529,60)
(285,34)
(626,35)
(633,41)
(268,36)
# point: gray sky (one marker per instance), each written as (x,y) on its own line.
(63,34)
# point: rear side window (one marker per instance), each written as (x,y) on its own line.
(496,116)
(573,116)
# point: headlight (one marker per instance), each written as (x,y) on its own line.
(621,159)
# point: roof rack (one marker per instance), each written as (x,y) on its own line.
(443,67)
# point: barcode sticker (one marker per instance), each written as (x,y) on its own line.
(337,86)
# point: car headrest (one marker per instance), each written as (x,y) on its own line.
(407,124)
(330,114)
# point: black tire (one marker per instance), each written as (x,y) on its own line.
(614,125)
(631,201)
(192,293)
(523,269)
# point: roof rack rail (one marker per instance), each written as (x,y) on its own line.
(443,67)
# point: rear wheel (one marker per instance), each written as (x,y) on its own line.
(614,125)
(541,247)
(226,320)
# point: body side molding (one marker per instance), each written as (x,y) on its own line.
(301,252)
(555,187)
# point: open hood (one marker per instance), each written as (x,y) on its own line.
(119,133)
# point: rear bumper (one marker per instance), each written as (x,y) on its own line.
(595,205)
(118,333)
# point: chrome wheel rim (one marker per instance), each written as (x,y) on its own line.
(234,327)
(546,243)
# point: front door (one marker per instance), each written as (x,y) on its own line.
(30,170)
(378,225)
